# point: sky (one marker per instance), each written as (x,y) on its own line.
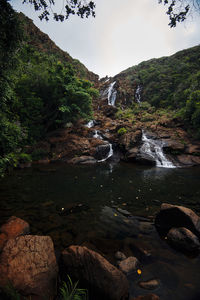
(123,33)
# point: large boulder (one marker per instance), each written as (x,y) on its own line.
(12,228)
(176,216)
(184,240)
(29,264)
(103,279)
(15,227)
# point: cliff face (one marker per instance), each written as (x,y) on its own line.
(43,43)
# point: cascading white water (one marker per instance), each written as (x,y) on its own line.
(112,93)
(97,135)
(154,148)
(110,153)
(138,94)
(90,124)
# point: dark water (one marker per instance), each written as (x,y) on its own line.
(81,204)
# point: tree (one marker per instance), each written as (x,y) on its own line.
(178,10)
(82,8)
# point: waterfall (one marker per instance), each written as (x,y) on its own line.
(97,135)
(90,124)
(154,148)
(138,94)
(110,153)
(112,93)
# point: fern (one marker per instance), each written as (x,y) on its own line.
(69,291)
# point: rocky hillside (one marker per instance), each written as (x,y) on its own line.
(42,43)
(148,113)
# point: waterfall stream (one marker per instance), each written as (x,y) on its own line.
(110,153)
(154,149)
(138,94)
(112,93)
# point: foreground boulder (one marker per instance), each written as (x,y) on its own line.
(176,216)
(28,263)
(104,280)
(13,228)
(183,239)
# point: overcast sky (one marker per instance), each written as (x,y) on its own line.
(123,33)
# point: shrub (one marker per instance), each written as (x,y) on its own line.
(121,131)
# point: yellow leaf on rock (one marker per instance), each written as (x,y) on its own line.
(139,271)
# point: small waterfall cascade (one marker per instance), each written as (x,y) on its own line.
(138,94)
(154,148)
(110,153)
(97,135)
(90,124)
(112,93)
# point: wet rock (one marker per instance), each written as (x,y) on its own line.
(120,255)
(102,151)
(176,216)
(183,239)
(130,139)
(15,227)
(109,110)
(29,264)
(145,159)
(147,297)
(172,145)
(188,160)
(149,284)
(82,160)
(105,280)
(129,265)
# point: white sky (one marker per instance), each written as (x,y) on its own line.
(123,33)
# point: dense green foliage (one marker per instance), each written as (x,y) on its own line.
(38,92)
(171,82)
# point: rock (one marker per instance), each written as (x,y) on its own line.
(82,160)
(15,227)
(149,284)
(130,139)
(184,240)
(147,297)
(176,216)
(144,158)
(29,264)
(193,149)
(120,256)
(3,239)
(102,151)
(92,268)
(172,145)
(128,265)
(188,160)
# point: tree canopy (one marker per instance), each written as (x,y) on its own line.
(178,10)
(69,7)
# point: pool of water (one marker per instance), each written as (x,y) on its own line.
(105,206)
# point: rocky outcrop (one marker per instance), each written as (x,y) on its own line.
(28,263)
(82,160)
(184,240)
(180,226)
(176,216)
(13,228)
(104,279)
